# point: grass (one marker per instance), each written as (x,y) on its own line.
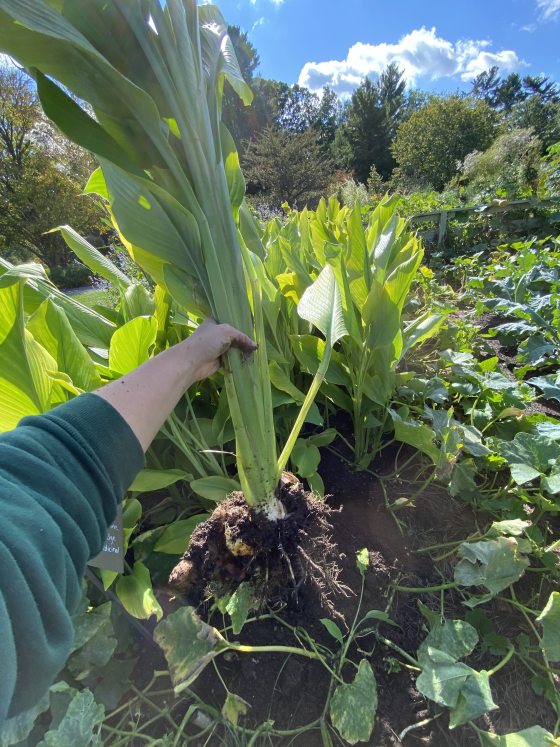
(92,297)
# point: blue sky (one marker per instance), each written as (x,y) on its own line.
(441,44)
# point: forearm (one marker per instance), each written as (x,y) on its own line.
(147,396)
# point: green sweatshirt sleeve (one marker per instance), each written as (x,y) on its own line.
(62,476)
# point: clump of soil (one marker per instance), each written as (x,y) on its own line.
(280,558)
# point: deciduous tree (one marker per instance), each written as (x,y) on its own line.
(42,175)
(429,145)
(287,167)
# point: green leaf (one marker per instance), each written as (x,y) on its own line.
(49,325)
(136,594)
(442,678)
(353,707)
(475,699)
(523,473)
(16,729)
(333,629)
(175,537)
(131,344)
(137,301)
(321,305)
(495,564)
(511,527)
(92,258)
(456,638)
(188,644)
(362,560)
(550,621)
(79,725)
(421,329)
(549,385)
(156,479)
(534,736)
(239,606)
(25,386)
(529,455)
(215,488)
(234,707)
(416,434)
(305,458)
(281,380)
(94,641)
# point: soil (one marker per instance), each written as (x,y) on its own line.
(291,690)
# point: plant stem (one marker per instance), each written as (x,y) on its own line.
(503,662)
(398,649)
(273,649)
(427,589)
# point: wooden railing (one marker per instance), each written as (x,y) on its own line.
(442,217)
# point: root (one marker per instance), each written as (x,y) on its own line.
(282,559)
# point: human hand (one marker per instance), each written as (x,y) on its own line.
(209,342)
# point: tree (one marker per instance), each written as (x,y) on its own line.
(429,144)
(42,175)
(364,136)
(391,85)
(508,168)
(540,115)
(240,119)
(541,86)
(287,167)
(485,84)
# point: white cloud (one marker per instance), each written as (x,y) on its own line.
(277,2)
(259,22)
(421,53)
(6,61)
(549,8)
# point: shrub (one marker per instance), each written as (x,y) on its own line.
(72,275)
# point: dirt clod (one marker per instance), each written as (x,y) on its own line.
(279,558)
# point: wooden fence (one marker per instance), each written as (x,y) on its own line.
(442,217)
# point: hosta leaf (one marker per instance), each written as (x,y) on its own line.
(188,643)
(136,594)
(495,564)
(353,707)
(550,621)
